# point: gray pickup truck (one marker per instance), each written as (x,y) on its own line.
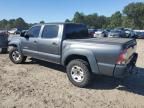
(69,45)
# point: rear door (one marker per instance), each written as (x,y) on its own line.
(50,43)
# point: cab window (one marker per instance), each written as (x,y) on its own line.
(34,31)
(50,31)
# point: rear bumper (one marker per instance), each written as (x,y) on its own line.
(121,71)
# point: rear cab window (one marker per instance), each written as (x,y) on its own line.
(75,31)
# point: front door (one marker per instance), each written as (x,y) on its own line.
(30,42)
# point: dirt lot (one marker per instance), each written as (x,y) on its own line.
(40,84)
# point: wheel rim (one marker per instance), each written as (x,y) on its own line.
(77,74)
(16,56)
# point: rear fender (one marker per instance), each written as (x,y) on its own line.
(82,52)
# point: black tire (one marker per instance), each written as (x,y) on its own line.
(86,70)
(22,58)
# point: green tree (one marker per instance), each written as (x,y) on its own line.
(135,14)
(102,22)
(3,23)
(67,20)
(79,18)
(11,23)
(107,23)
(42,22)
(20,24)
(91,20)
(116,20)
(127,23)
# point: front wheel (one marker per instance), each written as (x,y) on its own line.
(16,57)
(78,72)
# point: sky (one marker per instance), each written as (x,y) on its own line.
(34,11)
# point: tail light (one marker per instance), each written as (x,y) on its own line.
(122,57)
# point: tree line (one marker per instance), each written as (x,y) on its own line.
(132,16)
(14,23)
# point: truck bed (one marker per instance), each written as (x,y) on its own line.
(107,40)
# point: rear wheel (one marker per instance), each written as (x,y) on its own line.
(16,57)
(78,73)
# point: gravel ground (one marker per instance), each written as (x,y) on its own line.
(38,84)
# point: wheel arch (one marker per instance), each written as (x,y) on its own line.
(81,54)
(15,44)
(12,45)
(74,56)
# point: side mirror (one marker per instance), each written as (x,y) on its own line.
(23,34)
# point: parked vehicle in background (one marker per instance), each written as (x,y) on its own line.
(69,44)
(140,35)
(11,36)
(14,31)
(116,34)
(91,32)
(100,33)
(3,41)
(129,33)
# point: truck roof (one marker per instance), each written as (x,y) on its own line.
(63,23)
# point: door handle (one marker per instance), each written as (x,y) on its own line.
(54,43)
(35,41)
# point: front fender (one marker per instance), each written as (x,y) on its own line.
(82,52)
(15,43)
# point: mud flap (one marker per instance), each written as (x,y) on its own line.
(132,66)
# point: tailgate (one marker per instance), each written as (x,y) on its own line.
(130,46)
